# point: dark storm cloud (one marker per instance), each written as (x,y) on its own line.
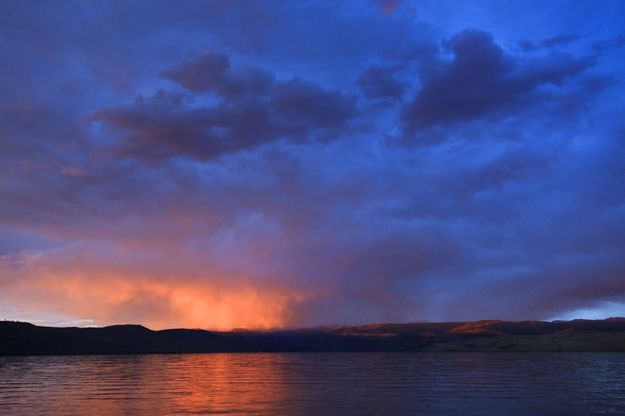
(211,72)
(482,80)
(560,40)
(615,42)
(254,109)
(305,103)
(563,39)
(379,83)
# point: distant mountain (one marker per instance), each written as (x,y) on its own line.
(19,338)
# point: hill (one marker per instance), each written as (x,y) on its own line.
(20,338)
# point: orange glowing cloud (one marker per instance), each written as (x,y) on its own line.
(155,304)
(106,296)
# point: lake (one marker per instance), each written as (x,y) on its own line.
(316,384)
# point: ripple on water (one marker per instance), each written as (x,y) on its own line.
(315,384)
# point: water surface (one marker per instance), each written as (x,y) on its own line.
(316,384)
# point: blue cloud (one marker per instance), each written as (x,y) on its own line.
(375,160)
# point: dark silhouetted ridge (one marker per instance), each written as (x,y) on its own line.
(21,338)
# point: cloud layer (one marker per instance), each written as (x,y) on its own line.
(241,164)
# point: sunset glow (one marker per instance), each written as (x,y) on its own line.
(107,297)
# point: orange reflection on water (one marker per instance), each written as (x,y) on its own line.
(206,383)
(230,384)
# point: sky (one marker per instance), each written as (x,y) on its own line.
(264,164)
